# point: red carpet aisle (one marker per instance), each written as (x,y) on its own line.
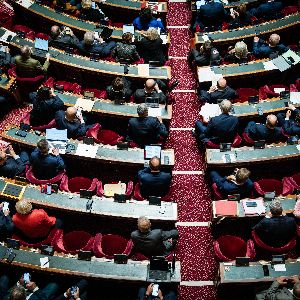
(195,251)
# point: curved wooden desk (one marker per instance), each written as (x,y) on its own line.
(106,207)
(230,4)
(230,36)
(97,268)
(133,156)
(7,85)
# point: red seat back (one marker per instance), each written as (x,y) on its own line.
(245,93)
(268,185)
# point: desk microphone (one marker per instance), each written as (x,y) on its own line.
(173,263)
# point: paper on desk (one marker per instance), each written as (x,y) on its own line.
(96,34)
(7,33)
(26,3)
(85,104)
(86,150)
(44,262)
(143,70)
(205,37)
(298,147)
(279,90)
(154,111)
(291,54)
(209,111)
(164,38)
(128,28)
(268,65)
(279,268)
(205,74)
(259,209)
(232,158)
(295,97)
(159,7)
(199,3)
(281,63)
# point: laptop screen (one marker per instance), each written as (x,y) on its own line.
(128,28)
(151,151)
(152,101)
(41,44)
(159,264)
(54,134)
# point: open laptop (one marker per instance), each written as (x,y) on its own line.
(57,139)
(151,151)
(158,269)
(41,47)
(152,102)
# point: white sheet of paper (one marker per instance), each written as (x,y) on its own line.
(205,37)
(199,3)
(85,104)
(61,146)
(205,74)
(26,3)
(96,34)
(128,28)
(295,97)
(44,262)
(292,54)
(164,38)
(160,6)
(281,63)
(268,65)
(298,147)
(154,111)
(87,150)
(209,111)
(279,268)
(215,79)
(143,70)
(232,158)
(6,34)
(278,90)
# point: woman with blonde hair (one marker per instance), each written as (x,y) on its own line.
(151,47)
(89,13)
(239,54)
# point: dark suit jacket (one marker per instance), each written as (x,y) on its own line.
(212,13)
(261,132)
(140,96)
(291,127)
(92,14)
(151,243)
(30,67)
(262,49)
(6,225)
(268,11)
(239,22)
(276,231)
(5,59)
(222,128)
(46,166)
(275,292)
(103,49)
(127,91)
(75,129)
(154,183)
(12,167)
(146,131)
(44,111)
(152,50)
(64,40)
(228,93)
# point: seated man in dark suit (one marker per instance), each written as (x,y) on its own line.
(237,183)
(120,87)
(80,294)
(220,129)
(276,229)
(73,121)
(46,165)
(11,164)
(211,14)
(153,242)
(290,121)
(268,132)
(63,38)
(152,181)
(221,91)
(146,294)
(269,49)
(27,67)
(151,89)
(91,44)
(145,130)
(6,223)
(5,60)
(269,10)
(24,291)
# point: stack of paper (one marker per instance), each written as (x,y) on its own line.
(258,210)
(226,208)
(295,97)
(154,111)
(268,65)
(281,63)
(6,35)
(205,74)
(143,70)
(292,57)
(85,104)
(209,111)
(199,3)
(86,150)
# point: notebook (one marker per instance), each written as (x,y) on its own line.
(226,208)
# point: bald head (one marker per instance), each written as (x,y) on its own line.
(149,85)
(225,106)
(55,31)
(222,83)
(271,121)
(154,164)
(71,113)
(144,224)
(274,39)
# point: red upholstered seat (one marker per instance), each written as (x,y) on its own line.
(291,183)
(298,230)
(47,241)
(284,249)
(26,120)
(138,196)
(139,256)
(104,136)
(288,10)
(32,179)
(247,139)
(236,143)
(75,184)
(228,247)
(29,33)
(268,91)
(244,94)
(109,244)
(74,241)
(217,193)
(42,36)
(28,85)
(268,185)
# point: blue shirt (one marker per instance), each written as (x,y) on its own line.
(153,23)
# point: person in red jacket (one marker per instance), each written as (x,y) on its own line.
(33,223)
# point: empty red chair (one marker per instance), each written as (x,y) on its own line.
(138,196)
(288,10)
(245,93)
(236,143)
(26,120)
(68,86)
(128,192)
(247,139)
(47,241)
(139,256)
(28,85)
(229,247)
(74,241)
(291,183)
(109,244)
(32,179)
(104,136)
(42,36)
(28,32)
(280,250)
(75,184)
(269,92)
(269,185)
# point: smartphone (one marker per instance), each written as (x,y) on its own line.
(266,270)
(26,278)
(227,158)
(231,11)
(155,290)
(5,206)
(79,111)
(49,189)
(286,103)
(260,111)
(73,290)
(93,4)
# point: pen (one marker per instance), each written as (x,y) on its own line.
(46,262)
